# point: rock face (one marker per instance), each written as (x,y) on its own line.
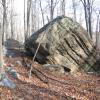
(63,42)
(11,43)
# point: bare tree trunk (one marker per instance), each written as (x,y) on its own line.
(28,18)
(1,52)
(4,20)
(38,19)
(74,8)
(98,36)
(24,21)
(51,10)
(48,19)
(42,13)
(52,4)
(4,80)
(86,20)
(63,7)
(32,18)
(12,31)
(35,10)
(88,15)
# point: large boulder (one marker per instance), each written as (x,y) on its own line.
(63,42)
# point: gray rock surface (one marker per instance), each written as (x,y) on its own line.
(11,43)
(63,42)
(6,82)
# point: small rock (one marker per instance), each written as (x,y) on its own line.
(97,89)
(10,65)
(10,56)
(28,65)
(90,73)
(12,72)
(9,53)
(19,63)
(7,82)
(54,68)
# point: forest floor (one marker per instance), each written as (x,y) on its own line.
(59,87)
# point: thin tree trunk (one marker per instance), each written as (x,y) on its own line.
(35,16)
(48,19)
(1,52)
(4,20)
(63,7)
(97,31)
(98,36)
(32,18)
(24,21)
(89,18)
(42,13)
(86,20)
(12,31)
(74,9)
(51,10)
(88,15)
(28,18)
(4,80)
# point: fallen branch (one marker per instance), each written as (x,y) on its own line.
(37,73)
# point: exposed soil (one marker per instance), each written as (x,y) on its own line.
(57,87)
